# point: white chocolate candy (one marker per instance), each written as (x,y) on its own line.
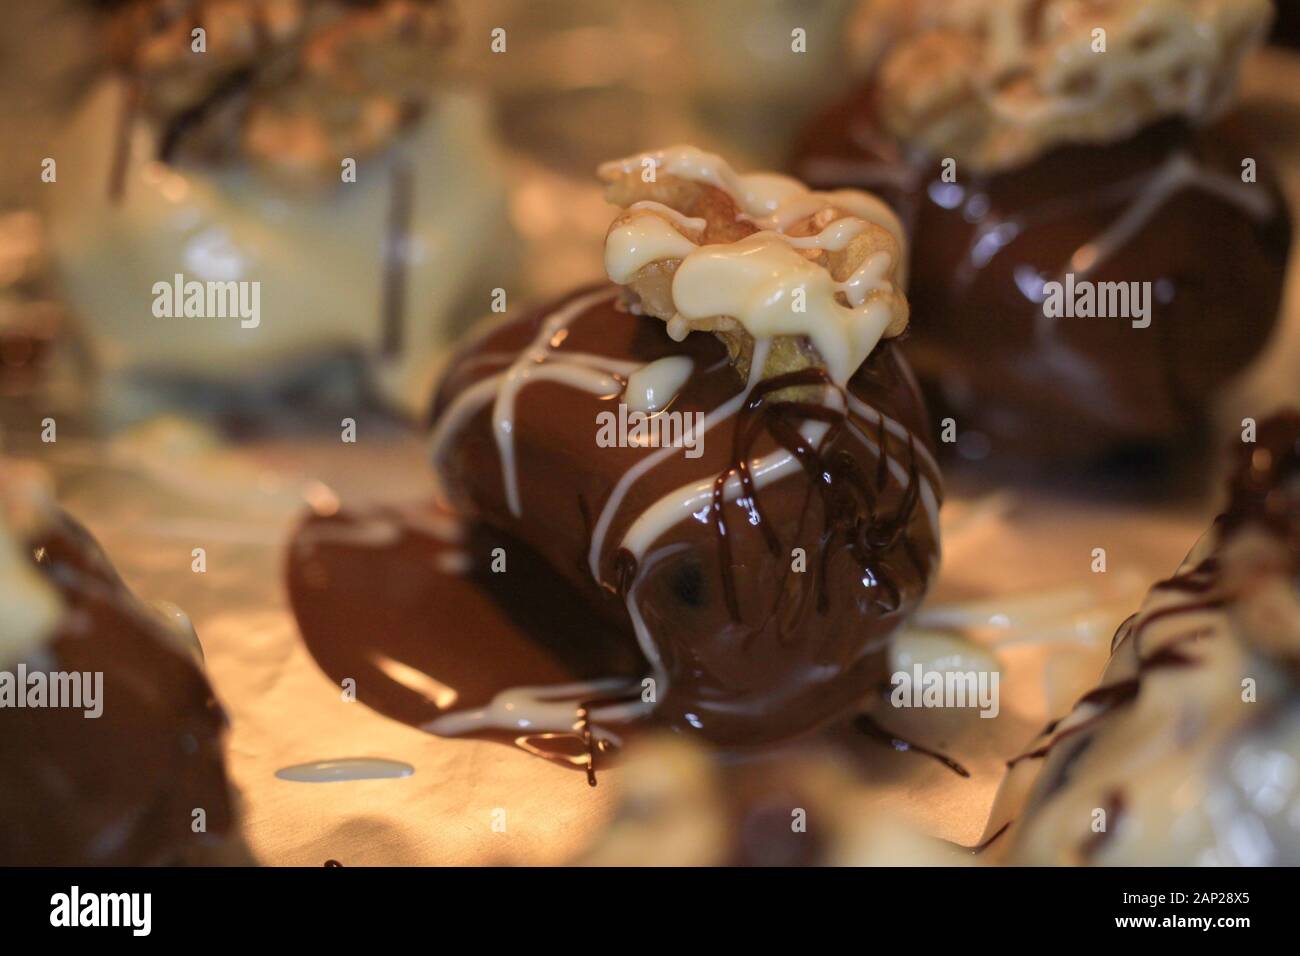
(1188,751)
(319,257)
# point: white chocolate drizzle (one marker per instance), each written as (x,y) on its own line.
(756,281)
(1148,196)
(770,200)
(997,83)
(546,710)
(654,385)
(1179,173)
(671,508)
(537,362)
(765,282)
(654,522)
(774,265)
(348,768)
(637,242)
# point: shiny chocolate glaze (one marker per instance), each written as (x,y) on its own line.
(750,648)
(120,789)
(1286,24)
(982,247)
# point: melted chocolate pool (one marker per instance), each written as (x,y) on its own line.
(392,600)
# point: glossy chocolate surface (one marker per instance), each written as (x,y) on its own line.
(752,649)
(1074,387)
(1286,24)
(794,648)
(120,789)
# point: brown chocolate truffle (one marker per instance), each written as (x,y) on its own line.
(760,606)
(1077,290)
(121,787)
(704,497)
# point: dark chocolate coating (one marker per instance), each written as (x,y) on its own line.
(1073,388)
(1265,486)
(1286,23)
(120,789)
(795,648)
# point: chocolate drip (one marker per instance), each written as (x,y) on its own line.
(679,588)
(1171,655)
(175,131)
(625,568)
(1112,696)
(583,736)
(1143,621)
(868,726)
(392,309)
(848,498)
(1198,580)
(748,429)
(554,747)
(122,140)
(1108,697)
(588,742)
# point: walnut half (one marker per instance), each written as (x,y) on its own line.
(850,264)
